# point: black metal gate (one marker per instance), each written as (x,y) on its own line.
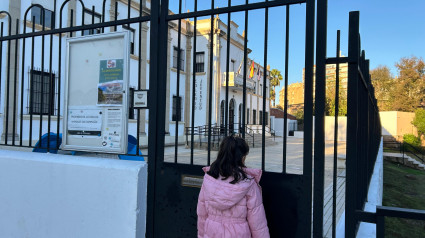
(174,180)
(175,171)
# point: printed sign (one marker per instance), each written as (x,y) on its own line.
(85,122)
(112,134)
(111,83)
(140,99)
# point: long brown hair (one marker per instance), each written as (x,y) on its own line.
(229,160)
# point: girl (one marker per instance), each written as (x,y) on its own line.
(230,203)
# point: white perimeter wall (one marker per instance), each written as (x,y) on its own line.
(48,195)
(278,125)
(374,199)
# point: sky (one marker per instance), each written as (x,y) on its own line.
(389,29)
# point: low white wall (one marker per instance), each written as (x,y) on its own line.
(330,128)
(48,195)
(374,198)
(277,125)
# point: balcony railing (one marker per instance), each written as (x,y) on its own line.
(236,82)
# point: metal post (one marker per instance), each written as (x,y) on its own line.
(308,107)
(352,130)
(319,128)
(158,39)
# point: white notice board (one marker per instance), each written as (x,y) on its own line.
(96,93)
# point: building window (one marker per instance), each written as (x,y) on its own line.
(254,117)
(175,58)
(247,116)
(232,66)
(132,33)
(261,117)
(42,93)
(49,18)
(91,17)
(200,65)
(177,108)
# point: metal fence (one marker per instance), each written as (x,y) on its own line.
(363,142)
(288,197)
(32,55)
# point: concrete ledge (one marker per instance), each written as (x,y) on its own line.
(374,198)
(49,195)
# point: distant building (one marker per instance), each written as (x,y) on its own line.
(296,90)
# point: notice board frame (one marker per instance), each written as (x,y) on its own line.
(87,55)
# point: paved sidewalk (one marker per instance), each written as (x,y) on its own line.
(273,156)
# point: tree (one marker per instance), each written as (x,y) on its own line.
(383,82)
(275,78)
(330,98)
(409,89)
(419,121)
(299,114)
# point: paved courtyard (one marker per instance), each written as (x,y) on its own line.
(273,156)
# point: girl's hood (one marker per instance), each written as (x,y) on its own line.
(223,195)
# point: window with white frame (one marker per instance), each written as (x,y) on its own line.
(200,63)
(42,93)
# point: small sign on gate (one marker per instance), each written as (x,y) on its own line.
(192,181)
(140,99)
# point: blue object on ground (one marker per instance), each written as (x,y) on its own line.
(131,150)
(55,141)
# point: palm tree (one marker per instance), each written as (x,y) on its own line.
(275,77)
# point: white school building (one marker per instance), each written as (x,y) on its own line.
(30,74)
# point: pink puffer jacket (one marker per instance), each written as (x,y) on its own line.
(228,210)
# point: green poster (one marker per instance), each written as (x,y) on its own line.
(110,87)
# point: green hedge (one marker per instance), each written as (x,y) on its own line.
(412,139)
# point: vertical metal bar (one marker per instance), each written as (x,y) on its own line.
(285,108)
(40,129)
(193,85)
(82,18)
(31,108)
(380,226)
(128,9)
(1,52)
(179,32)
(15,82)
(139,76)
(245,58)
(72,21)
(8,85)
(335,136)
(319,112)
(210,83)
(51,94)
(59,84)
(116,14)
(92,19)
(265,73)
(308,108)
(22,85)
(158,42)
(103,14)
(226,106)
(352,130)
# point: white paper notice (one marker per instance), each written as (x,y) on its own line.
(85,122)
(112,135)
